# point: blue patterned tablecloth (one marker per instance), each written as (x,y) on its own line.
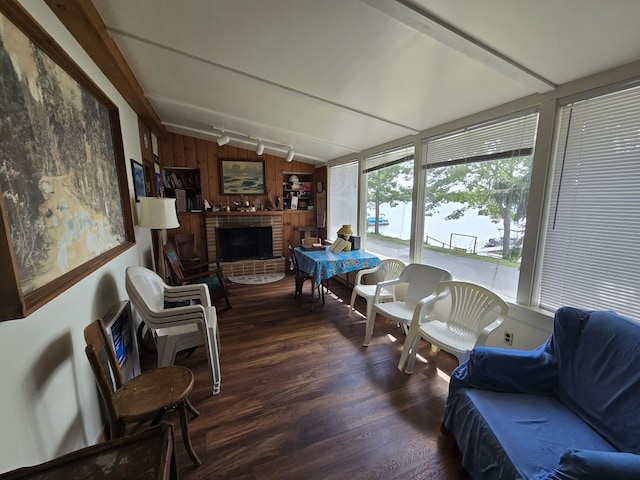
(323,264)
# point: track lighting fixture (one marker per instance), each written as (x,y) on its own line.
(245,141)
(289,156)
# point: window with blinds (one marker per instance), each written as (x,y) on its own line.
(342,197)
(591,245)
(503,139)
(389,188)
(477,188)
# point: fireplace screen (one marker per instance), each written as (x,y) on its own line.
(244,243)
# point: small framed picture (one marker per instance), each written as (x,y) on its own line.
(138,179)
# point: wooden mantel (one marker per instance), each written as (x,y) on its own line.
(243,214)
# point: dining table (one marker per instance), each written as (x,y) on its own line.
(324,264)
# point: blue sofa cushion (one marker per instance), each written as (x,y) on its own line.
(595,465)
(507,370)
(515,435)
(598,359)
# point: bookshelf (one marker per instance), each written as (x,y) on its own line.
(183,184)
(297,195)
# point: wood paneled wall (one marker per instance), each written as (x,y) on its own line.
(182,151)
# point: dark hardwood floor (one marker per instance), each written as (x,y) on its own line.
(302,399)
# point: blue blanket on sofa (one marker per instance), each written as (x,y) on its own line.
(567,410)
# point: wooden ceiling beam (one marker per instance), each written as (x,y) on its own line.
(82,19)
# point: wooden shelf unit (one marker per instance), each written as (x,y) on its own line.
(302,190)
(183,184)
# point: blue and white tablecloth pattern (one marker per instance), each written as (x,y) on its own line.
(323,264)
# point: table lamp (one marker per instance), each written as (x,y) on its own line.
(158,214)
(345,232)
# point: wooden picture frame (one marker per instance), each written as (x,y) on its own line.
(242,177)
(64,197)
(139,186)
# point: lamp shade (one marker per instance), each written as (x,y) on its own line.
(223,140)
(345,230)
(260,148)
(158,213)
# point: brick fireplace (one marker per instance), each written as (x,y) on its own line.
(215,220)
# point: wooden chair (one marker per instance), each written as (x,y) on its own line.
(310,240)
(186,248)
(301,277)
(306,232)
(211,276)
(144,398)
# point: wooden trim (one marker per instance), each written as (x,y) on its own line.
(82,19)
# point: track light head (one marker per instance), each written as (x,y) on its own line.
(260,148)
(223,140)
(290,154)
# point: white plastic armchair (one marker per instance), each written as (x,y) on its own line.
(176,328)
(391,268)
(474,313)
(422,281)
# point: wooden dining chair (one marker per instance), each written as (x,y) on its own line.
(310,240)
(301,277)
(145,398)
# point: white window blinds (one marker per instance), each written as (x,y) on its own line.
(342,196)
(506,138)
(591,249)
(389,158)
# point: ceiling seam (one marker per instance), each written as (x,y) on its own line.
(163,99)
(436,28)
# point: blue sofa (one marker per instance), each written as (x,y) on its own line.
(567,410)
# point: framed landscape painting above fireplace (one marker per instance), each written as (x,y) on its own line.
(242,177)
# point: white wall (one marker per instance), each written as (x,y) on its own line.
(48,396)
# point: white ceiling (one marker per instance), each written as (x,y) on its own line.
(334,77)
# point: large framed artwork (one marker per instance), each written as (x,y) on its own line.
(64,197)
(242,177)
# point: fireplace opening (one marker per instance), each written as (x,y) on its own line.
(244,243)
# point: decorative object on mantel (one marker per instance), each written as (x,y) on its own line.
(345,233)
(257,279)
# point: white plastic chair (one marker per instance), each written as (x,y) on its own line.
(422,281)
(391,268)
(176,328)
(474,313)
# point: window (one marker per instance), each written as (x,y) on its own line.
(343,197)
(592,241)
(389,187)
(477,187)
